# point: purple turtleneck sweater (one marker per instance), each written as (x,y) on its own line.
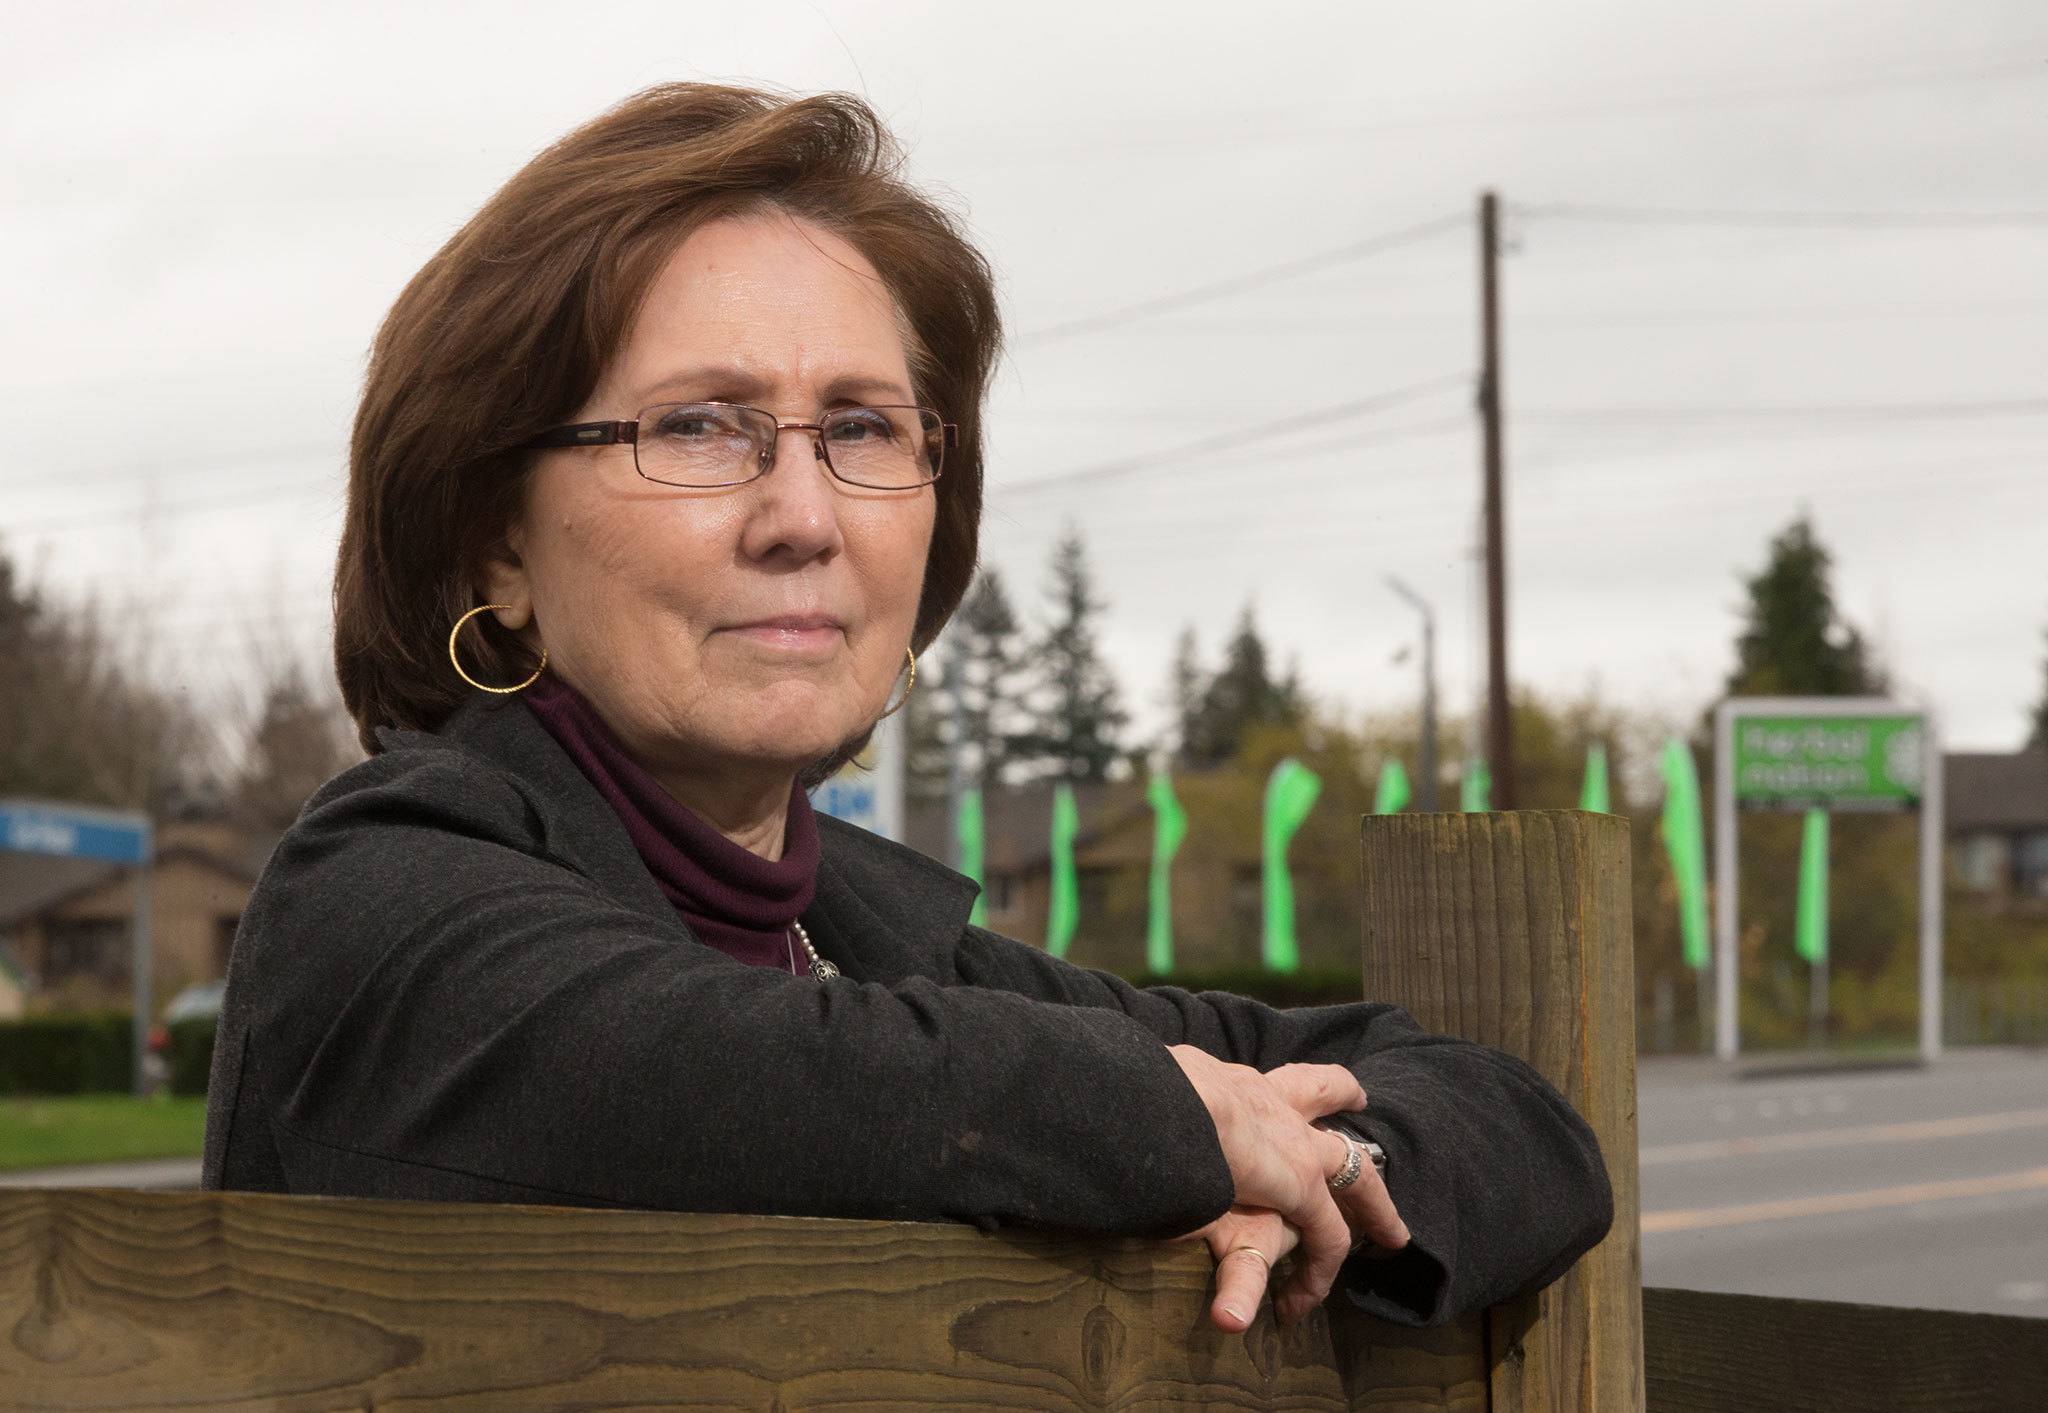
(732,898)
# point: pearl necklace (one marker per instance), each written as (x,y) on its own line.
(820,968)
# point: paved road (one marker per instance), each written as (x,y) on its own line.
(156,1172)
(1893,1187)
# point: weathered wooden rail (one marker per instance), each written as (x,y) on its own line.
(1714,1353)
(1512,929)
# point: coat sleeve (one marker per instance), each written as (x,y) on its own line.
(1500,1181)
(457,1015)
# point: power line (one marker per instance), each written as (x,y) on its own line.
(1350,527)
(1206,140)
(1537,321)
(171,509)
(1553,519)
(1782,314)
(1286,467)
(331,458)
(1584,444)
(1855,220)
(1872,412)
(144,511)
(1262,431)
(1239,284)
(1298,485)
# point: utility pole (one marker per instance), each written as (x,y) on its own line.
(1429,767)
(1500,738)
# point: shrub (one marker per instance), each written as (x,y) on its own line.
(191,1054)
(76,1054)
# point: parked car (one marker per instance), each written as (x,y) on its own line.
(201,1000)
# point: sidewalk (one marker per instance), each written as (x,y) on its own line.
(161,1173)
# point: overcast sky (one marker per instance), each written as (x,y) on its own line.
(209,208)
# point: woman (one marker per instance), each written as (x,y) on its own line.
(675,449)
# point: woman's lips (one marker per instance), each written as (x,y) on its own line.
(801,636)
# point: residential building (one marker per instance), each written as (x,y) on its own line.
(1996,819)
(67,925)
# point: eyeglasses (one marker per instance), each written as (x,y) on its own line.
(705,444)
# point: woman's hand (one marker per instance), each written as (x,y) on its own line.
(1281,1167)
(1247,1243)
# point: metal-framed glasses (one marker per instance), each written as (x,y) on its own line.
(707,444)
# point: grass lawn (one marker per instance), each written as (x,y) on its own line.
(98,1128)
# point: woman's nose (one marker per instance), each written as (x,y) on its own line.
(798,505)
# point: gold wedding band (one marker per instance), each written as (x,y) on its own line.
(1264,1259)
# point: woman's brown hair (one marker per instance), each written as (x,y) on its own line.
(506,330)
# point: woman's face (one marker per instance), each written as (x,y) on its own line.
(752,626)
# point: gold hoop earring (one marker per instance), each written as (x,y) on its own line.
(481,687)
(907,686)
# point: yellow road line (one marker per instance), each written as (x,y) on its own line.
(1694,1218)
(1911,1132)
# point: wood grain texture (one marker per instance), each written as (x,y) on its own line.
(1713,1353)
(122,1300)
(1513,929)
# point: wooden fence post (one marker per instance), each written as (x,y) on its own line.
(1513,930)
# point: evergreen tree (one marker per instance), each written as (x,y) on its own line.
(2037,735)
(1794,641)
(1184,686)
(991,663)
(1075,713)
(26,653)
(1243,694)
(970,692)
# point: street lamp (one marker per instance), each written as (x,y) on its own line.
(1428,689)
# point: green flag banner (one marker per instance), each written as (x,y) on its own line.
(1291,792)
(1476,795)
(1393,794)
(1810,939)
(1063,913)
(968,829)
(1593,794)
(1685,839)
(1169,827)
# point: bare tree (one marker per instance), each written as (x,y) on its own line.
(78,719)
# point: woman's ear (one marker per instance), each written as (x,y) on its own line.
(506,582)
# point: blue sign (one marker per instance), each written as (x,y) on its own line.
(851,797)
(73,833)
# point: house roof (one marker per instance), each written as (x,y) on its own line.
(35,883)
(241,853)
(1995,790)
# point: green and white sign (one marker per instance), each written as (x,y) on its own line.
(1829,762)
(1816,754)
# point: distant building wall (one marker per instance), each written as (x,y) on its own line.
(78,952)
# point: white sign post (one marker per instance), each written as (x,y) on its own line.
(1830,753)
(869,791)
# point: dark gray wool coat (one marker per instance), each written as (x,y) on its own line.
(457,981)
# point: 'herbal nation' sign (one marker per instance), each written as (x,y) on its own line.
(1828,762)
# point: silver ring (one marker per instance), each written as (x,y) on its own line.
(1354,1162)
